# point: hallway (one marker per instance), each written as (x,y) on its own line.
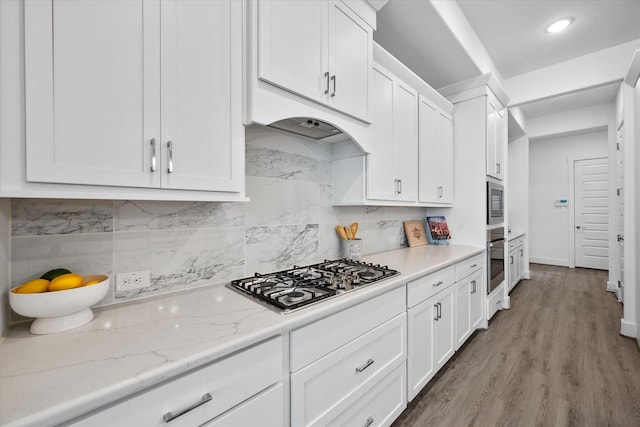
(554,359)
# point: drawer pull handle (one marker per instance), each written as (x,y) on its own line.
(170,416)
(369,422)
(473,282)
(365,366)
(438,284)
(170,150)
(153,154)
(473,265)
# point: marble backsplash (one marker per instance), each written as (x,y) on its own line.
(289,220)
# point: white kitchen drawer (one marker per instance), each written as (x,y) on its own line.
(380,406)
(468,266)
(328,384)
(425,287)
(264,410)
(309,343)
(229,381)
(495,301)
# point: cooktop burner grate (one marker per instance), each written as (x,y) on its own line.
(288,290)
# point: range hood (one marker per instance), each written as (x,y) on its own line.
(307,127)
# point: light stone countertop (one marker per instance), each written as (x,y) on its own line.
(46,379)
(515,234)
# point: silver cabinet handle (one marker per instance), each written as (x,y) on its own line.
(439,310)
(521,252)
(170,416)
(438,284)
(439,192)
(365,366)
(396,182)
(170,149)
(510,260)
(473,282)
(153,154)
(497,167)
(333,79)
(473,265)
(400,182)
(369,422)
(436,307)
(327,77)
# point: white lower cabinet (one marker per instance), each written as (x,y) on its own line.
(441,316)
(338,386)
(515,262)
(202,395)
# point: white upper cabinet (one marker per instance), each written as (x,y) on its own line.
(496,137)
(392,168)
(318,49)
(435,154)
(149,96)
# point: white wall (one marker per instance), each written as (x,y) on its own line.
(549,180)
(5,242)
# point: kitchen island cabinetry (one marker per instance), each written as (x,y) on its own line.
(337,362)
(249,383)
(166,115)
(320,50)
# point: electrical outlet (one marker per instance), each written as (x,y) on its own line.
(133,280)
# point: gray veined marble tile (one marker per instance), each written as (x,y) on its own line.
(152,215)
(180,259)
(329,242)
(269,163)
(276,248)
(384,235)
(281,202)
(32,217)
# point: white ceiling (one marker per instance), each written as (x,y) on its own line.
(512,32)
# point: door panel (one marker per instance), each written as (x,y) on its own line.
(92,101)
(591,213)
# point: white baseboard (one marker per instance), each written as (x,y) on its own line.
(612,286)
(628,329)
(549,261)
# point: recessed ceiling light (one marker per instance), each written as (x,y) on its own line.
(559,25)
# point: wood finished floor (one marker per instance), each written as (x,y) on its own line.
(554,359)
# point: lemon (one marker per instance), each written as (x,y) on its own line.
(52,274)
(91,282)
(65,281)
(32,287)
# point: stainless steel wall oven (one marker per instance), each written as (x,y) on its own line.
(495,258)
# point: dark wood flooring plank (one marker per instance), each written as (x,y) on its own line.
(554,359)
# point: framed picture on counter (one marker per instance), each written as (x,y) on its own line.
(415,233)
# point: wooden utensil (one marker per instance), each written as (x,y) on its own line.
(341,231)
(348,231)
(354,229)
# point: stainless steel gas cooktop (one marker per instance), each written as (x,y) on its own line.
(287,290)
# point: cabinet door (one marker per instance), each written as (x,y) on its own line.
(405,140)
(381,179)
(443,328)
(435,154)
(475,302)
(92,101)
(293,46)
(350,61)
(492,118)
(201,95)
(521,262)
(463,305)
(420,364)
(501,136)
(512,263)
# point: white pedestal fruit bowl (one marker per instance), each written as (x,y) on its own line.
(60,310)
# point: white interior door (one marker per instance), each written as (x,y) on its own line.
(620,201)
(591,213)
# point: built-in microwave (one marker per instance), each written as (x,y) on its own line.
(495,203)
